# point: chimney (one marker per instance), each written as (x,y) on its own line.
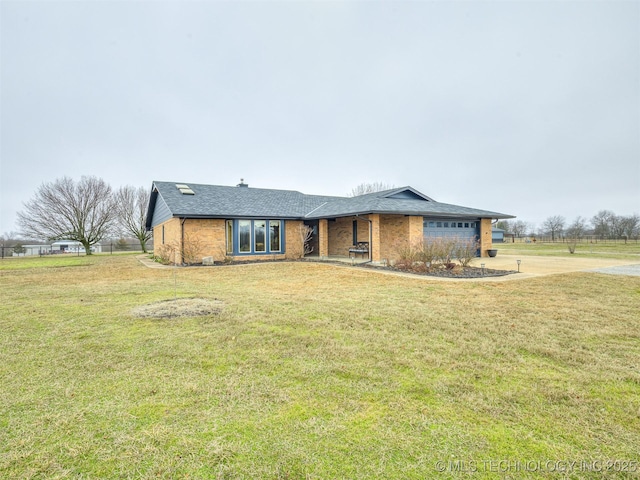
(242,184)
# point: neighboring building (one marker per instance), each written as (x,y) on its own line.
(497,235)
(245,223)
(72,246)
(30,250)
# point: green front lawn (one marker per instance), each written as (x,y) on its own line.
(312,371)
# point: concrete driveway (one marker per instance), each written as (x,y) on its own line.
(534,266)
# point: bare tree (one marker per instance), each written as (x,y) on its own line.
(131,207)
(575,231)
(66,210)
(630,226)
(602,222)
(554,225)
(519,228)
(577,228)
(365,188)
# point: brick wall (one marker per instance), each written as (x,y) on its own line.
(207,238)
(166,237)
(323,237)
(204,238)
(485,236)
(340,236)
(293,239)
(394,234)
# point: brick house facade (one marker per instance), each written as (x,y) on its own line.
(190,222)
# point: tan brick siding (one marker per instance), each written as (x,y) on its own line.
(388,234)
(207,238)
(485,236)
(341,234)
(323,237)
(204,238)
(394,234)
(171,239)
(293,239)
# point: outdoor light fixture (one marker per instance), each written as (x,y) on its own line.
(518,262)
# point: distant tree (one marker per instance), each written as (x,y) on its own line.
(365,188)
(131,206)
(602,223)
(616,226)
(575,231)
(19,248)
(630,226)
(504,225)
(66,210)
(554,225)
(519,228)
(577,228)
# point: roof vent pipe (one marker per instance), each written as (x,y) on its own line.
(242,184)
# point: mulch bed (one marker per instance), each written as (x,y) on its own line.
(457,272)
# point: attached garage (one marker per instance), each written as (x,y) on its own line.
(462,228)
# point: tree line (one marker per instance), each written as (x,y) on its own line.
(605,225)
(86,211)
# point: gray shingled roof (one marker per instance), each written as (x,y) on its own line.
(216,201)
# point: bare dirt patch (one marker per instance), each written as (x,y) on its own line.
(181,307)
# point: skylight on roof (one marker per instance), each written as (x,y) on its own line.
(185,189)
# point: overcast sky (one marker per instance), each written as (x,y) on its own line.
(525,108)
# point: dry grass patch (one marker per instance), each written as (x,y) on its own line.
(179,307)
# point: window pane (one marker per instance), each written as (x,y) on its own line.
(229,237)
(260,232)
(446,224)
(274,235)
(432,224)
(466,224)
(439,224)
(459,224)
(244,234)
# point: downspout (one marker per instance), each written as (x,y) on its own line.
(182,240)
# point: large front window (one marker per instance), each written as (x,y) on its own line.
(274,235)
(244,234)
(254,236)
(260,234)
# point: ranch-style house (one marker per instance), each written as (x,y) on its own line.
(244,223)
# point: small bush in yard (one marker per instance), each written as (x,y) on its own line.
(465,251)
(440,252)
(406,257)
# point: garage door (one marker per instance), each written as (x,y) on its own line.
(460,228)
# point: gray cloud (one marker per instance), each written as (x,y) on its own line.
(529,108)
